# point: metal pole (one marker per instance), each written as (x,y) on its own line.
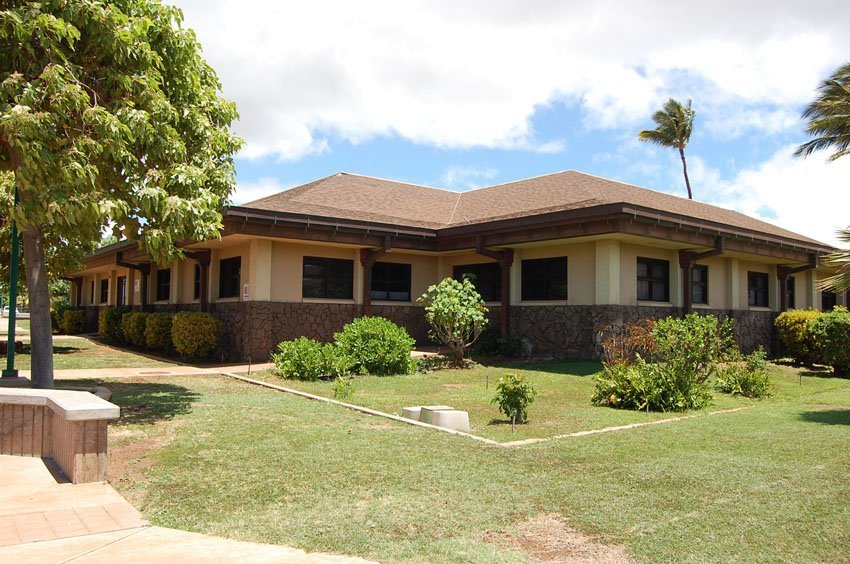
(10,371)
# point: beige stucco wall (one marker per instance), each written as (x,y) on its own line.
(581,259)
(629,254)
(287,265)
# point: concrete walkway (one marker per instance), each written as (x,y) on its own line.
(169,370)
(44,519)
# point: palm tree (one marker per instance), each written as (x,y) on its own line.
(675,123)
(829,123)
(829,117)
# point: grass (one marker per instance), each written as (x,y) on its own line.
(561,406)
(21,324)
(218,456)
(83,353)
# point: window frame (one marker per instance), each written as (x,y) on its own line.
(163,287)
(489,287)
(702,284)
(326,264)
(652,280)
(387,280)
(754,292)
(527,281)
(229,279)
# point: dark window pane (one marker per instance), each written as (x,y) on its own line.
(390,281)
(486,277)
(757,293)
(544,279)
(790,295)
(197,285)
(653,280)
(828,301)
(699,284)
(229,277)
(104,291)
(327,278)
(163,284)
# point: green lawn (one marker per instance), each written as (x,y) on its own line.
(85,353)
(219,456)
(562,405)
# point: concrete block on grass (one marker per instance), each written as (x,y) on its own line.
(451,419)
(426,412)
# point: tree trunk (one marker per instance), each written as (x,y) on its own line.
(685,170)
(41,329)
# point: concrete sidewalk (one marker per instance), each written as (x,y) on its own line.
(43,519)
(169,370)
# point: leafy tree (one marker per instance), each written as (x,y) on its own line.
(675,123)
(829,122)
(456,313)
(108,116)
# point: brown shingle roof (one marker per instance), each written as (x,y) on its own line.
(362,198)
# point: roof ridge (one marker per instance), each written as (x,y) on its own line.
(400,182)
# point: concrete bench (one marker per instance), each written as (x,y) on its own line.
(440,415)
(68,427)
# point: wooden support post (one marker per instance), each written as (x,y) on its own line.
(367,259)
(144,268)
(505,257)
(204,258)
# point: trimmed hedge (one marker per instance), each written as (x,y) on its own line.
(832,332)
(109,324)
(195,334)
(133,325)
(158,332)
(377,346)
(73,321)
(792,327)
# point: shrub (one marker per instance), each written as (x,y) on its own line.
(745,376)
(57,315)
(133,324)
(73,321)
(624,343)
(650,387)
(492,343)
(158,332)
(513,396)
(792,327)
(377,346)
(308,359)
(831,332)
(343,388)
(109,324)
(195,334)
(694,345)
(456,313)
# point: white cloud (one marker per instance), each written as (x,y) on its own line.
(250,191)
(473,73)
(806,196)
(461,176)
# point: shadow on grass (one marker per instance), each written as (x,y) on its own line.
(566,367)
(827,416)
(145,403)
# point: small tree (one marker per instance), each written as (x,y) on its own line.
(513,396)
(456,313)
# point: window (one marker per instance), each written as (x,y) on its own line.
(544,279)
(163,284)
(390,281)
(229,277)
(699,284)
(328,278)
(653,280)
(104,291)
(757,289)
(827,301)
(789,293)
(486,277)
(121,294)
(196,294)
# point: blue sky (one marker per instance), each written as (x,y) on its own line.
(461,95)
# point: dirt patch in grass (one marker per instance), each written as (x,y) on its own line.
(824,406)
(548,538)
(129,458)
(453,386)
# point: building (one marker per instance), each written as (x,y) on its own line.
(558,258)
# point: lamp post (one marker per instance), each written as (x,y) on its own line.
(10,371)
